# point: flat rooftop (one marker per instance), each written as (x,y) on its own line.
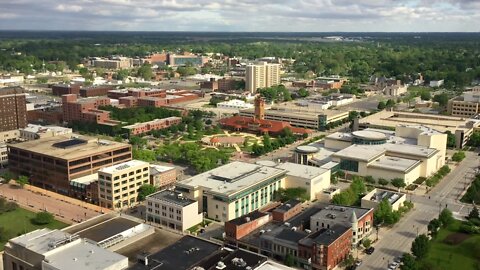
(231,178)
(395,164)
(379,195)
(302,171)
(157,169)
(248,217)
(340,214)
(183,254)
(298,112)
(171,197)
(325,236)
(360,152)
(287,206)
(155,121)
(83,255)
(124,166)
(90,146)
(107,229)
(39,240)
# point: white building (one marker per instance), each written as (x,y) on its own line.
(47,249)
(170,209)
(3,155)
(261,75)
(437,83)
(118,184)
(395,90)
(33,132)
(234,104)
(374,197)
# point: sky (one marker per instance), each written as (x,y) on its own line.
(243,15)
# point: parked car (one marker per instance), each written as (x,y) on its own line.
(370,250)
(393,266)
(398,260)
(358,262)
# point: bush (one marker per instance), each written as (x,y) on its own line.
(420,180)
(383,181)
(43,218)
(369,179)
(458,156)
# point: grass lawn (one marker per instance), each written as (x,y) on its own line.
(18,222)
(459,257)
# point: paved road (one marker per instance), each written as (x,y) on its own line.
(394,242)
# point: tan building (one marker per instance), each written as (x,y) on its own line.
(162,176)
(466,105)
(395,90)
(170,209)
(51,163)
(33,132)
(8,136)
(118,185)
(261,75)
(461,127)
(3,155)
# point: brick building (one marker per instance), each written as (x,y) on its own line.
(95,91)
(51,163)
(155,124)
(86,109)
(287,210)
(65,89)
(237,228)
(13,109)
(162,176)
(326,248)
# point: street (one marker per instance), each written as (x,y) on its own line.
(397,240)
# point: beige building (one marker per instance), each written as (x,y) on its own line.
(461,127)
(261,75)
(408,153)
(395,90)
(33,132)
(11,135)
(466,105)
(171,209)
(47,249)
(374,197)
(118,185)
(3,155)
(238,188)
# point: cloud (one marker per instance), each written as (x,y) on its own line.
(242,15)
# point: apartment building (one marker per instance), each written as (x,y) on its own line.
(13,109)
(118,184)
(171,209)
(156,124)
(466,105)
(86,109)
(65,89)
(51,163)
(261,75)
(94,91)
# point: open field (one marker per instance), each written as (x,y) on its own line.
(19,222)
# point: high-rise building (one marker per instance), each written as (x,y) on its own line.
(262,75)
(13,109)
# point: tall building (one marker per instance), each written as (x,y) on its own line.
(262,75)
(118,185)
(13,109)
(52,163)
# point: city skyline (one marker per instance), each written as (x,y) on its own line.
(243,15)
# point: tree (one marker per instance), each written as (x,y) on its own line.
(425,95)
(302,92)
(433,226)
(43,218)
(442,99)
(381,105)
(420,247)
(7,175)
(408,262)
(383,181)
(145,190)
(145,72)
(446,217)
(451,141)
(458,156)
(383,213)
(474,213)
(390,103)
(289,260)
(22,180)
(398,183)
(474,139)
(366,242)
(349,261)
(369,179)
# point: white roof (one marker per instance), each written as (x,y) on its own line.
(124,166)
(158,168)
(395,163)
(232,177)
(302,171)
(360,152)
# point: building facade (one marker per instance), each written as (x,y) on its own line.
(162,176)
(51,163)
(261,75)
(170,209)
(13,109)
(118,184)
(156,124)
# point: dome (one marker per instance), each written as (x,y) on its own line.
(369,135)
(306,149)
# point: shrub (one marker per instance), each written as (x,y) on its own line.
(383,182)
(369,179)
(458,156)
(43,218)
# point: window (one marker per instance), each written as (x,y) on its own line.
(349,165)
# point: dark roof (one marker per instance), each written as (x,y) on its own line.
(291,236)
(108,229)
(287,205)
(238,259)
(70,143)
(183,254)
(303,218)
(325,236)
(247,218)
(172,197)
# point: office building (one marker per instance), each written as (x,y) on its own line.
(94,91)
(65,89)
(118,184)
(172,210)
(461,127)
(407,153)
(86,109)
(162,176)
(156,124)
(238,188)
(360,220)
(176,60)
(3,155)
(13,109)
(238,228)
(261,75)
(115,62)
(234,105)
(52,163)
(466,105)
(47,249)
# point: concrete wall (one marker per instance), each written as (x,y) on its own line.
(336,144)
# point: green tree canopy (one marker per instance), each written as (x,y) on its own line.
(145,190)
(420,247)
